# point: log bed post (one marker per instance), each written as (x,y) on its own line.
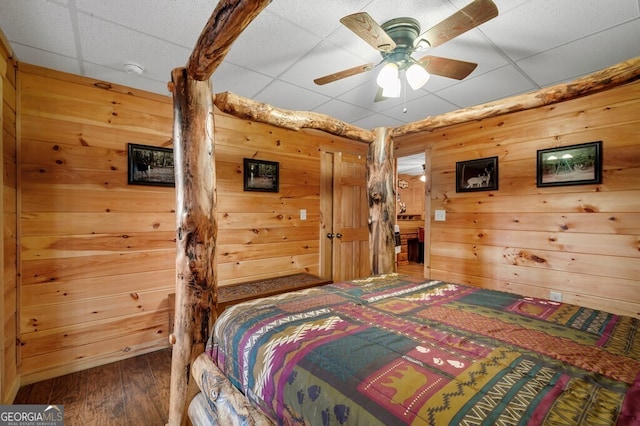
(196,231)
(382,202)
(194,162)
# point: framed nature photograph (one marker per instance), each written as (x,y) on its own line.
(477,175)
(570,165)
(150,165)
(261,175)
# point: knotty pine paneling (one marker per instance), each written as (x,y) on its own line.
(582,241)
(260,233)
(97,255)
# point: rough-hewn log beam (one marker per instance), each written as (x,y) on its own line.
(382,202)
(196,232)
(295,120)
(229,19)
(622,73)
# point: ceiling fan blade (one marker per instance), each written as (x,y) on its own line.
(367,29)
(343,74)
(467,18)
(445,67)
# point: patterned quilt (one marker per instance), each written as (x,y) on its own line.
(394,349)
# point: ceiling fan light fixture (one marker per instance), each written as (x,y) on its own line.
(393,90)
(421,44)
(417,76)
(387,76)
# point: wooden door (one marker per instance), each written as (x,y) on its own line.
(344,230)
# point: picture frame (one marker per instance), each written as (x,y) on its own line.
(262,176)
(150,165)
(477,175)
(579,164)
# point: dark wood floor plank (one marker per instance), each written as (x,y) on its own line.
(140,392)
(35,393)
(160,364)
(129,392)
(71,391)
(105,396)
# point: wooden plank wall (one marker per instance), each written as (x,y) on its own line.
(261,234)
(582,241)
(9,378)
(98,255)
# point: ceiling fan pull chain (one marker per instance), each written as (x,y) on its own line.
(404,94)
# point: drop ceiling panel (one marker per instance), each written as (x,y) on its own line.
(124,45)
(538,26)
(497,84)
(169,20)
(270,45)
(343,109)
(531,44)
(276,94)
(241,81)
(579,57)
(47,27)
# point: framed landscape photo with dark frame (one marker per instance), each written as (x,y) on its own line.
(477,175)
(260,175)
(150,165)
(579,164)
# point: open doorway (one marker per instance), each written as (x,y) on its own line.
(410,210)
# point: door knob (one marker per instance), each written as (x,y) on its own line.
(338,235)
(330,235)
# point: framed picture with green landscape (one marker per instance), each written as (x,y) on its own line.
(260,175)
(579,164)
(150,165)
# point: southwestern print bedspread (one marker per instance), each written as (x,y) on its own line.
(394,349)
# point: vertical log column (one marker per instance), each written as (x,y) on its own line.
(382,202)
(196,233)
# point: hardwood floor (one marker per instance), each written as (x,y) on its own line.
(412,268)
(133,391)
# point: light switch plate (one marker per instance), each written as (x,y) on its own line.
(303,214)
(440,215)
(555,296)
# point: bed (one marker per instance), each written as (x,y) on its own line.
(397,349)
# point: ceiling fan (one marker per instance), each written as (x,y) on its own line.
(399,38)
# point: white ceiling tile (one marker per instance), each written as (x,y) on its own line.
(538,26)
(269,46)
(584,56)
(345,111)
(46,59)
(377,120)
(47,27)
(241,81)
(277,94)
(420,108)
(110,45)
(168,20)
(321,19)
(500,83)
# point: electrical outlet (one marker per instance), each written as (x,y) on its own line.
(440,215)
(303,214)
(555,296)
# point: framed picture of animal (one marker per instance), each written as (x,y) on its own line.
(477,175)
(150,165)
